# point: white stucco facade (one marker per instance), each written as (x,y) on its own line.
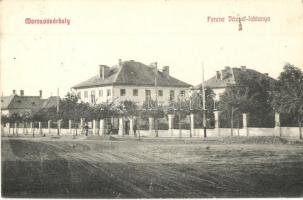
(101,94)
(136,94)
(218,92)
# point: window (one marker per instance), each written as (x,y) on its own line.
(160,93)
(100,93)
(92,97)
(171,95)
(122,92)
(85,94)
(109,92)
(79,94)
(147,93)
(135,92)
(182,93)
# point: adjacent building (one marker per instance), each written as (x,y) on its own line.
(21,103)
(230,76)
(134,81)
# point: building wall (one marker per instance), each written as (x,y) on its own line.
(5,112)
(218,92)
(115,94)
(100,94)
(9,112)
(162,100)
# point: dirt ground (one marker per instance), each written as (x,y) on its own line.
(151,168)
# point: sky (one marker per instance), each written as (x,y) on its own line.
(172,32)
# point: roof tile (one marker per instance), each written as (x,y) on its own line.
(133,73)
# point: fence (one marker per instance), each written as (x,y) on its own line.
(166,127)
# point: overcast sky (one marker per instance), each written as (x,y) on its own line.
(174,33)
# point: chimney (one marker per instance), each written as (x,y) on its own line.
(243,68)
(226,72)
(14,92)
(103,71)
(120,61)
(22,93)
(165,70)
(222,74)
(218,75)
(155,64)
(40,93)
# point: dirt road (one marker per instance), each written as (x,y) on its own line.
(132,169)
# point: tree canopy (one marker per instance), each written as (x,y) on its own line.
(250,95)
(288,94)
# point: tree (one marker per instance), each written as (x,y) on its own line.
(26,116)
(106,110)
(288,94)
(195,103)
(184,106)
(150,109)
(4,119)
(15,118)
(129,108)
(235,101)
(250,95)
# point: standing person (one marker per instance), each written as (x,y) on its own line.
(135,129)
(86,129)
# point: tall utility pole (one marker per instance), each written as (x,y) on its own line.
(203,99)
(156,90)
(180,132)
(57,100)
(58,132)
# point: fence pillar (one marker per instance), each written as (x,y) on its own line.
(121,126)
(49,125)
(245,128)
(70,127)
(170,124)
(192,124)
(131,125)
(101,127)
(151,124)
(94,127)
(59,127)
(40,127)
(9,128)
(217,124)
(277,124)
(16,128)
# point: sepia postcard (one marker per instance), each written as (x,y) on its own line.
(151,99)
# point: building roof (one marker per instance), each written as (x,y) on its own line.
(33,103)
(231,76)
(5,101)
(132,73)
(50,102)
